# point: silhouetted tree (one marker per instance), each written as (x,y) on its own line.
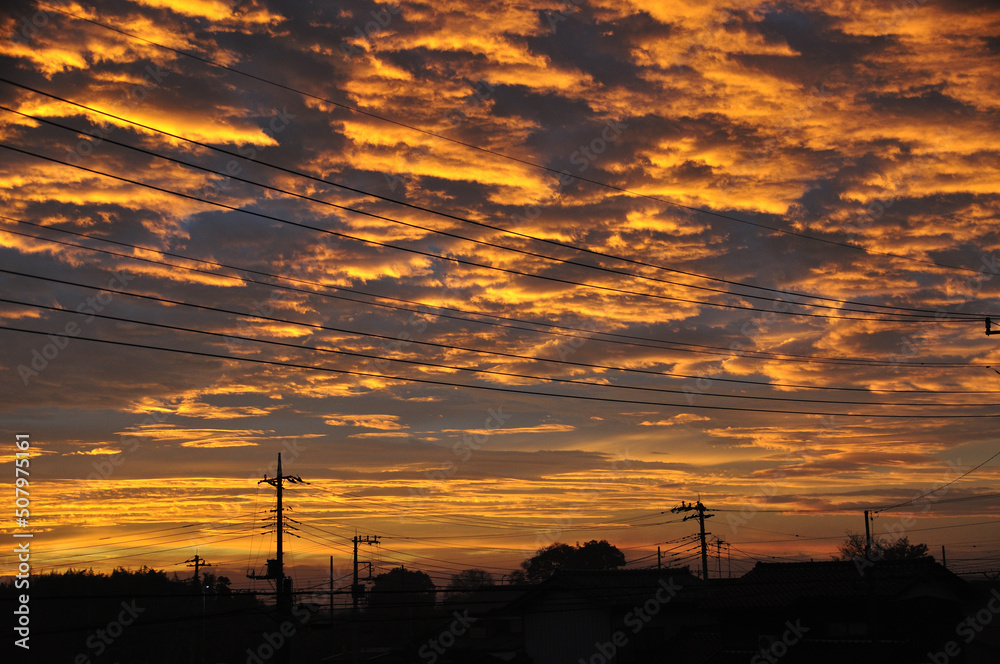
(217,585)
(516,577)
(882,548)
(151,615)
(402,604)
(598,555)
(401,588)
(546,561)
(593,555)
(470,579)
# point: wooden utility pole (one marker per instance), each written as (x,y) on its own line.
(356,588)
(701,516)
(868,538)
(198,563)
(718,554)
(333,632)
(276,567)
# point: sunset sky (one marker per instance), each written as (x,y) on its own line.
(498,274)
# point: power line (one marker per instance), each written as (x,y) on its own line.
(746,353)
(909,312)
(328,328)
(97,557)
(491,372)
(943,486)
(963,499)
(462,261)
(797,538)
(925,313)
(497,153)
(157,530)
(491,388)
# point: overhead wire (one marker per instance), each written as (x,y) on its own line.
(490,388)
(673,344)
(97,557)
(939,488)
(924,314)
(925,494)
(919,313)
(764,355)
(354,109)
(462,261)
(490,372)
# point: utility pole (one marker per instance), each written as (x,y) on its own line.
(868,538)
(333,638)
(356,588)
(701,516)
(718,554)
(198,563)
(659,558)
(276,567)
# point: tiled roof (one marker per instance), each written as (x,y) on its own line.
(616,588)
(782,584)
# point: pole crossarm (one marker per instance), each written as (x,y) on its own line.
(357,590)
(701,516)
(276,567)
